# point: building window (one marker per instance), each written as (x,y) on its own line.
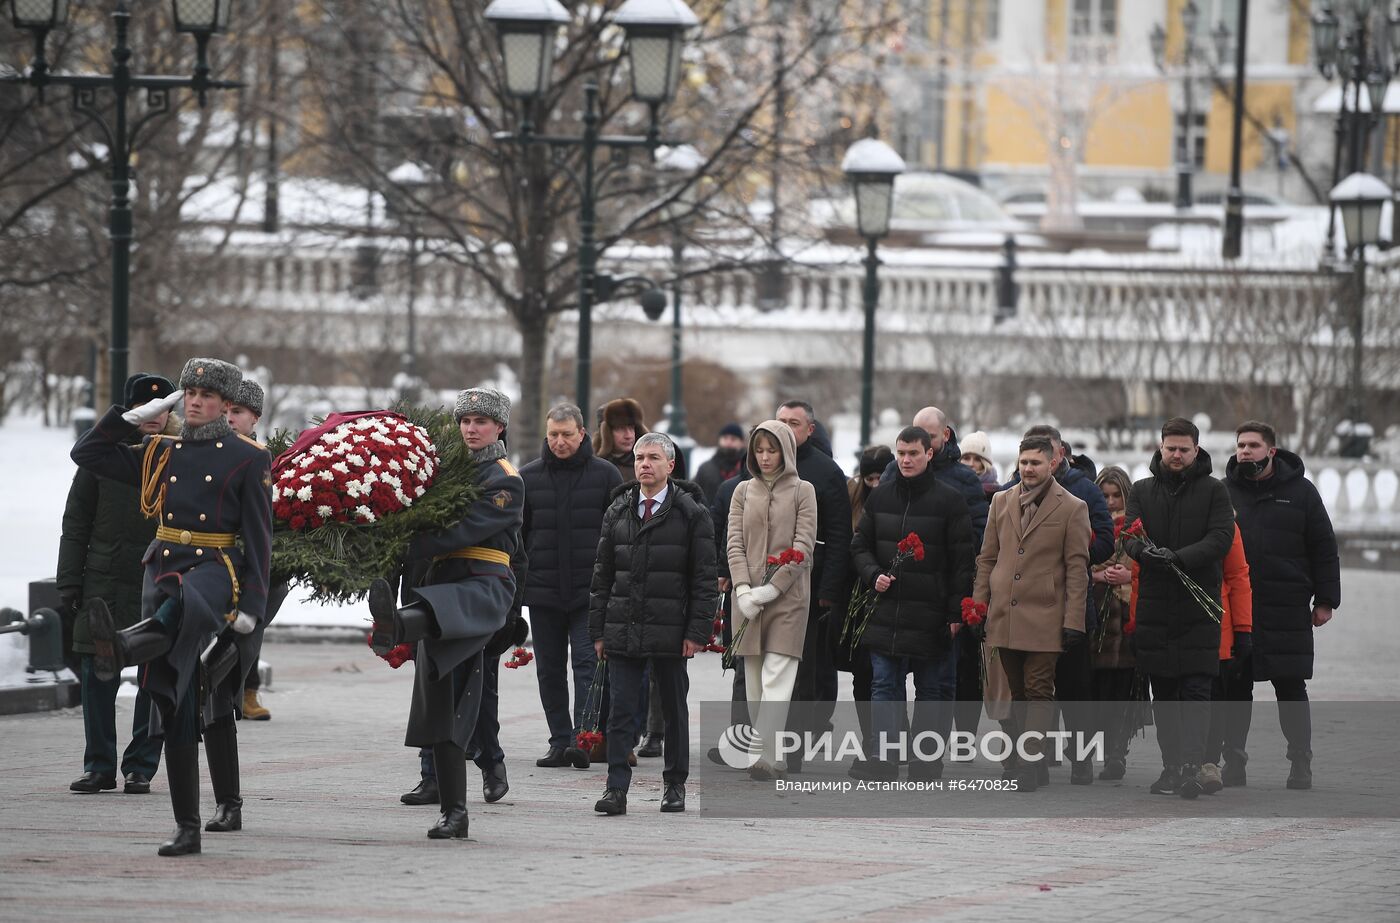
(1094,19)
(1198,139)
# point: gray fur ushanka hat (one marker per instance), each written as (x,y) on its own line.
(487,402)
(214,374)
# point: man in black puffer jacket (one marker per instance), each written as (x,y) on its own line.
(918,611)
(653,598)
(567,490)
(948,468)
(1191,525)
(1296,575)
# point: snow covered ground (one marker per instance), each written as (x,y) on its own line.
(36,472)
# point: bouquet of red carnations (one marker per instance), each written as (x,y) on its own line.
(1207,602)
(775,563)
(864,600)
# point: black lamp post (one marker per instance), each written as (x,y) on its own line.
(409,180)
(1232,240)
(201,18)
(1347,49)
(1191,55)
(655,34)
(871,167)
(1359,199)
(684,161)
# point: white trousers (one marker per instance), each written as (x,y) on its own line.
(768,683)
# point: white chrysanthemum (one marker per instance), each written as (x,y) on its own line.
(306,478)
(324,511)
(305,461)
(394,465)
(354,488)
(403,441)
(391,480)
(334,435)
(327,476)
(371,477)
(418,491)
(304,494)
(341,467)
(365,513)
(403,498)
(409,463)
(356,460)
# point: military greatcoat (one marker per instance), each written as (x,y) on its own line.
(198,490)
(468,583)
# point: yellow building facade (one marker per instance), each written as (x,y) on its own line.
(1011,86)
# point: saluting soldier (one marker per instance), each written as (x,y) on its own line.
(233,662)
(207,488)
(459,596)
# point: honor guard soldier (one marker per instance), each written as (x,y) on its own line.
(207,488)
(458,593)
(231,665)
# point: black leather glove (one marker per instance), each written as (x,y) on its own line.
(1243,648)
(70,598)
(522,631)
(1069,637)
(1161,557)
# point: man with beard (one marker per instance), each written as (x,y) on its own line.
(1189,526)
(1296,577)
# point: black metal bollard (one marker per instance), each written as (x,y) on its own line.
(45,632)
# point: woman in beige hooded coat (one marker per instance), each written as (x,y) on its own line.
(771,512)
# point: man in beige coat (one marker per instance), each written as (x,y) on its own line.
(1033,576)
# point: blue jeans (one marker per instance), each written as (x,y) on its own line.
(561,641)
(935,681)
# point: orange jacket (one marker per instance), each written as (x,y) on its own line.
(1235,596)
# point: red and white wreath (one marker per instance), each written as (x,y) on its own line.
(357,472)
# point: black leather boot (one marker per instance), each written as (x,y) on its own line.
(494,784)
(221,750)
(115,650)
(182,774)
(220,658)
(1300,770)
(451,764)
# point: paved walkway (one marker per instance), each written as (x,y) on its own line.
(325,837)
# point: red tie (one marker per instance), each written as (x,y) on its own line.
(647,506)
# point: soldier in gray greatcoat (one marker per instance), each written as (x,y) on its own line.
(459,597)
(232,661)
(209,489)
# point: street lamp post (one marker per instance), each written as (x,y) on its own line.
(409,179)
(686,162)
(655,32)
(1191,55)
(201,18)
(1347,50)
(871,167)
(1359,199)
(1232,239)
